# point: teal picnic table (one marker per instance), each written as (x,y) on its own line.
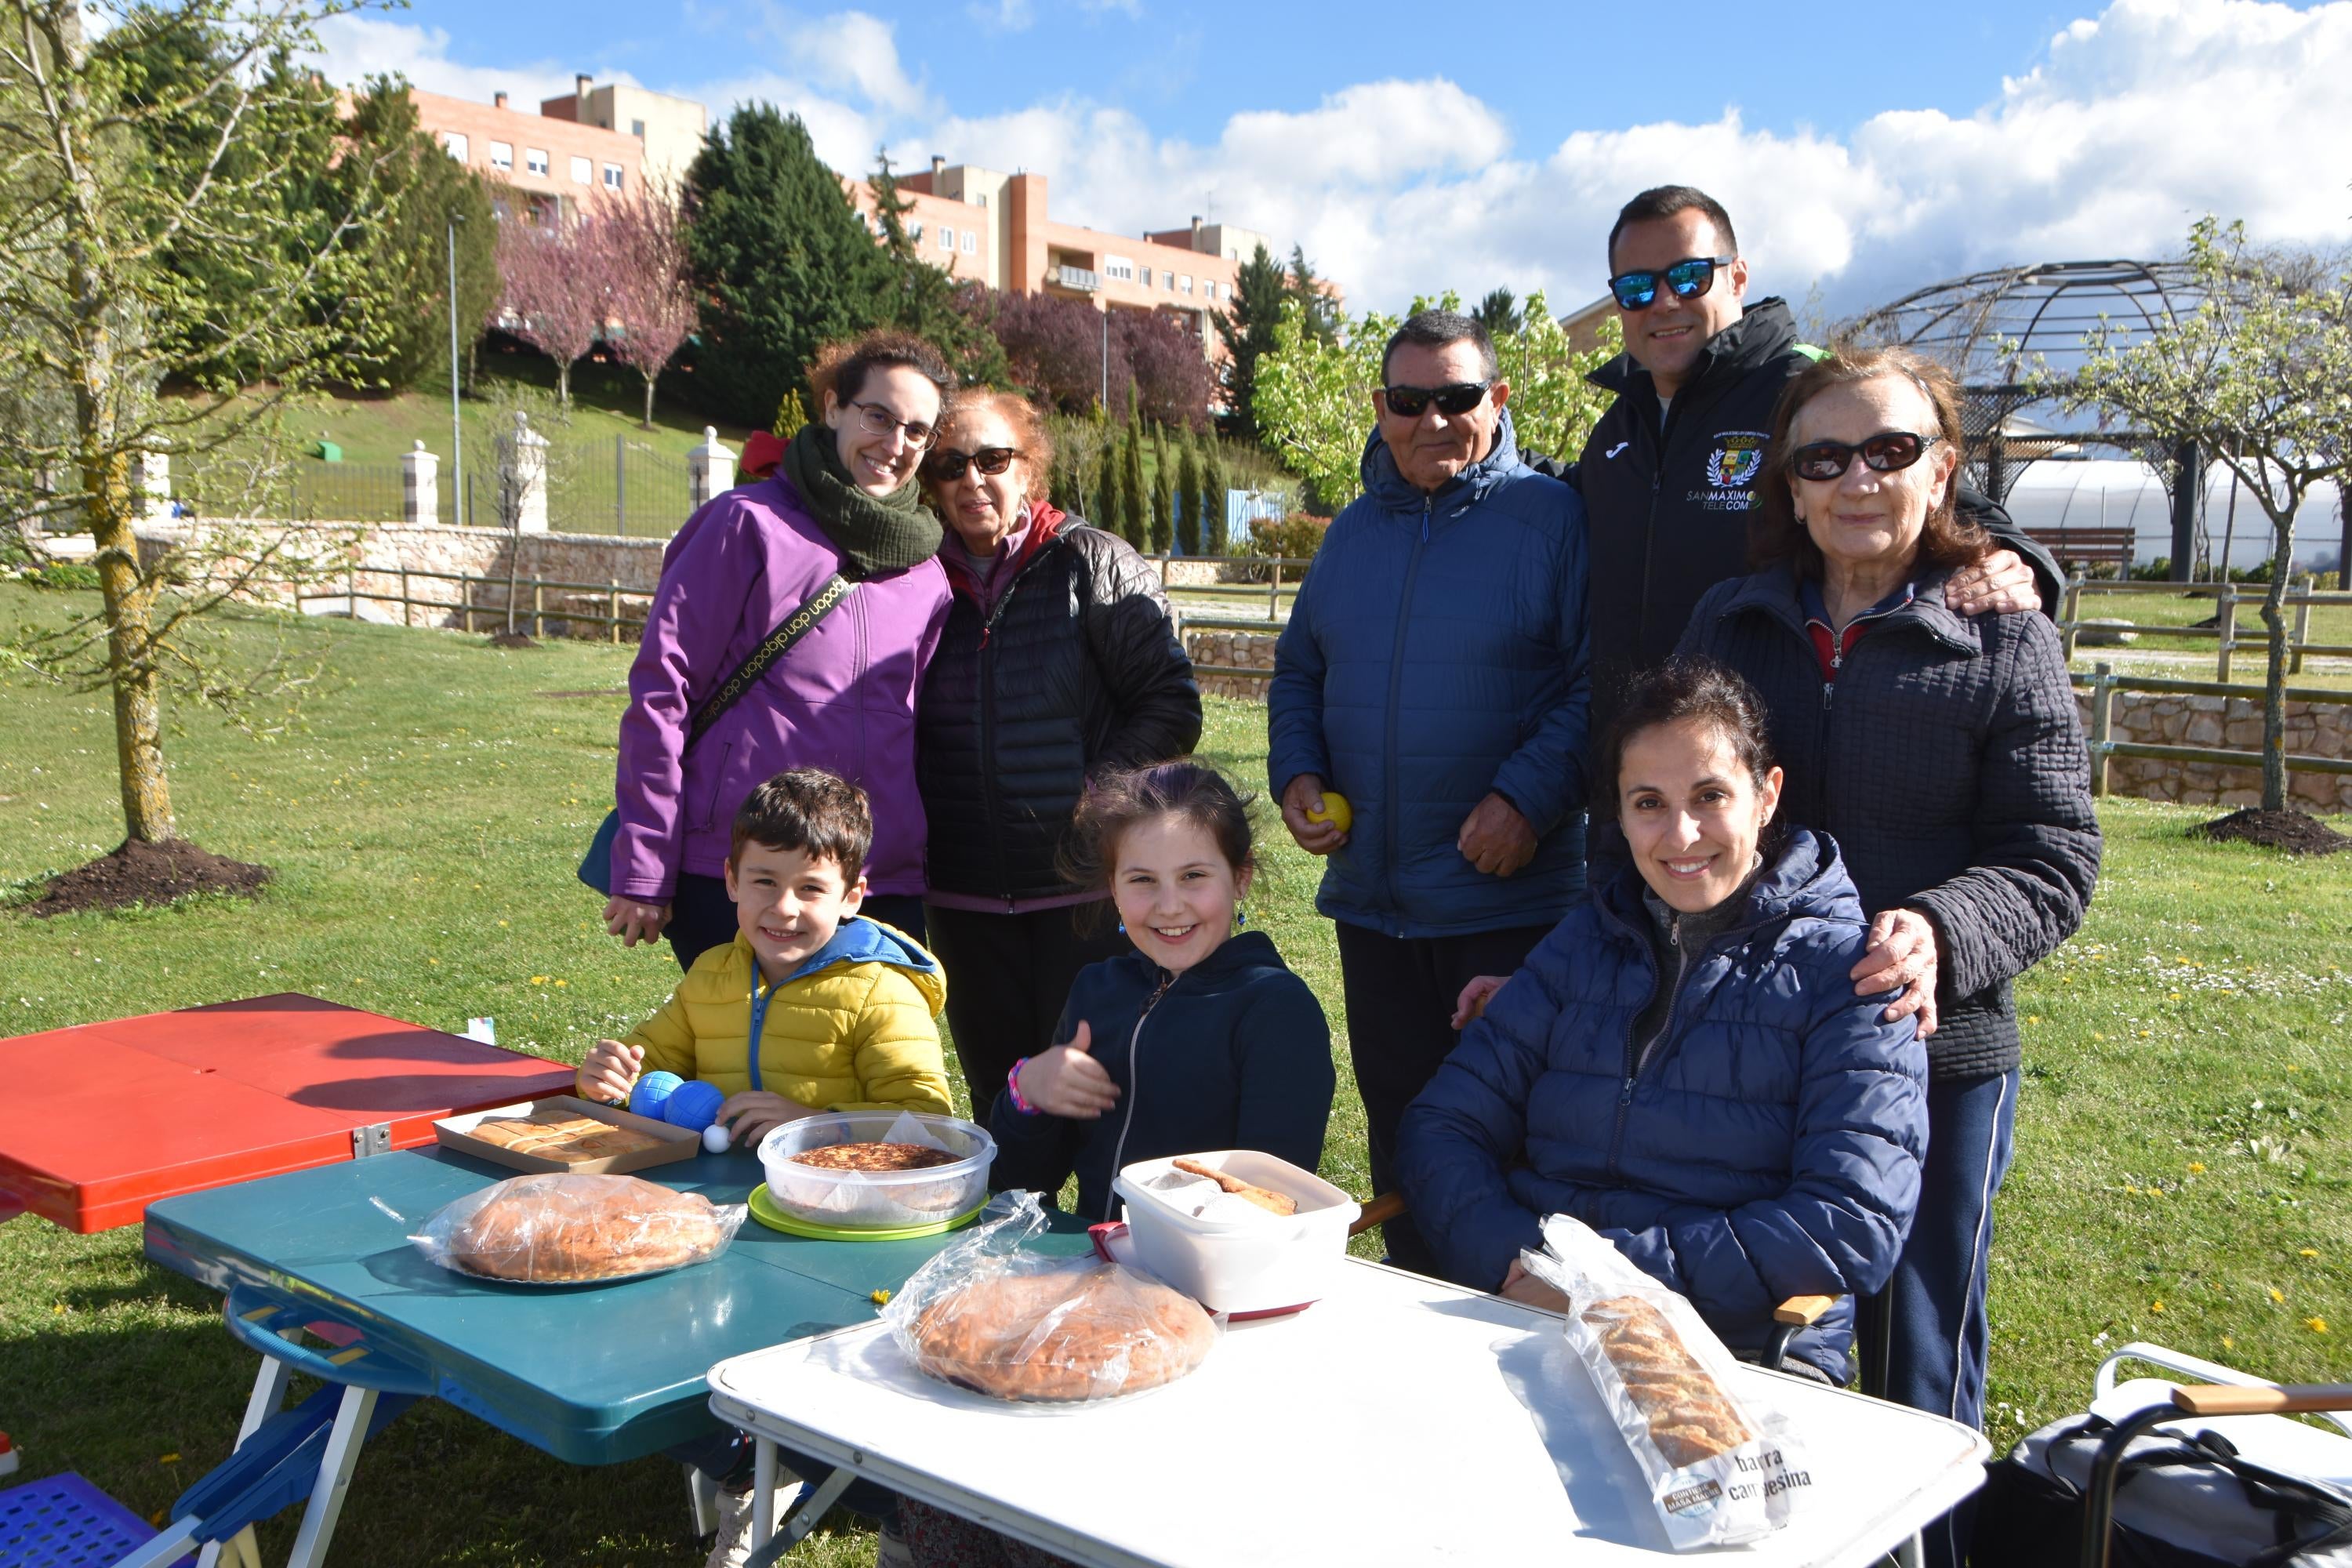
(327,1250)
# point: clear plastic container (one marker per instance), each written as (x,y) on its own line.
(1262,1265)
(877,1200)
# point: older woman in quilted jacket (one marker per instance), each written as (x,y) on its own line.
(1945,752)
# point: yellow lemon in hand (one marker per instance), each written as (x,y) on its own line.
(1336,811)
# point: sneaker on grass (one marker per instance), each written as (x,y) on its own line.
(733,1548)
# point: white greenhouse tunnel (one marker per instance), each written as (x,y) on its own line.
(2111,492)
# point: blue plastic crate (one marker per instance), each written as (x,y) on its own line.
(63,1521)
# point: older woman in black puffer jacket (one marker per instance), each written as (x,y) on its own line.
(1944,754)
(1059,661)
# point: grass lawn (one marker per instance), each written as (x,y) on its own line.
(608,402)
(2182,1170)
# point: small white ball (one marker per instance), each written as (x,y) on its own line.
(714,1138)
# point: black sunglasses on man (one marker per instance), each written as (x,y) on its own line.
(1453,401)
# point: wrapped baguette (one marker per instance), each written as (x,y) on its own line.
(1719,1472)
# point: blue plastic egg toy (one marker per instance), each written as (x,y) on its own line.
(652,1092)
(694,1106)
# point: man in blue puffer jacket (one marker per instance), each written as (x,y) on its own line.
(1434,674)
(1766,1145)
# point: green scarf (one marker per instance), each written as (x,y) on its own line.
(873,534)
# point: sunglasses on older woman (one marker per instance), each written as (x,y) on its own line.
(947,465)
(1883,453)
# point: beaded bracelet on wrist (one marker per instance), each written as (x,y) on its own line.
(1012,1088)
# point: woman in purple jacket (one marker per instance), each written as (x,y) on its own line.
(844,499)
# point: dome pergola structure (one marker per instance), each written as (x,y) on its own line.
(1995,330)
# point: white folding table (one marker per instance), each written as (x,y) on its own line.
(1399,1420)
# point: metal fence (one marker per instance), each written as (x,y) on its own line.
(307,492)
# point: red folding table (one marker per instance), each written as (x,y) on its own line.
(97,1122)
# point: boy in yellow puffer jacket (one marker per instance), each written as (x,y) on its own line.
(813,1006)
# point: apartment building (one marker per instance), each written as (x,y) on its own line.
(952,234)
(552,164)
(1015,244)
(670,129)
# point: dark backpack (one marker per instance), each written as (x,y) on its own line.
(2180,1502)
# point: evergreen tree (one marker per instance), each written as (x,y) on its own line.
(1112,517)
(930,302)
(1499,313)
(1163,493)
(1247,331)
(1191,498)
(1212,480)
(1319,316)
(1135,502)
(790,416)
(782,263)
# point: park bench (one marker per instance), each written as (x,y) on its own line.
(2087,547)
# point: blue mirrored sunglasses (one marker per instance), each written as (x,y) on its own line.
(1689,278)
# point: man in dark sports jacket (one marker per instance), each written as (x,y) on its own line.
(1669,476)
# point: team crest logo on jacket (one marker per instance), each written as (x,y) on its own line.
(1736,460)
(1731,471)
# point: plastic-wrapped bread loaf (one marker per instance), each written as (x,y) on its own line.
(565,1229)
(1690,1417)
(1721,1470)
(992,1315)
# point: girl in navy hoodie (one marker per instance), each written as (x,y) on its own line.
(1198,1039)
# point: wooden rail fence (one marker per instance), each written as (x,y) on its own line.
(2227,638)
(2105,683)
(610,594)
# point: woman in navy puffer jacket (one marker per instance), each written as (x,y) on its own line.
(1683,1064)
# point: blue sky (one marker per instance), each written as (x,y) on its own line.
(1189,65)
(1864,149)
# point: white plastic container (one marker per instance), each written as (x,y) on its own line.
(877,1200)
(1252,1266)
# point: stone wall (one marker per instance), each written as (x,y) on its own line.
(2230,723)
(350,565)
(1234,650)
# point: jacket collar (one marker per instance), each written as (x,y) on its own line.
(1765,330)
(1389,489)
(1044,526)
(1775,591)
(1808,877)
(1243,951)
(858,940)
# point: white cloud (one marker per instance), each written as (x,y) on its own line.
(858,53)
(1003,15)
(353,45)
(2136,122)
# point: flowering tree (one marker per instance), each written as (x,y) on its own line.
(554,293)
(2260,376)
(1315,397)
(1171,373)
(640,238)
(1065,351)
(145,239)
(1055,346)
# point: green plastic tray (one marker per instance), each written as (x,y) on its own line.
(764,1210)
